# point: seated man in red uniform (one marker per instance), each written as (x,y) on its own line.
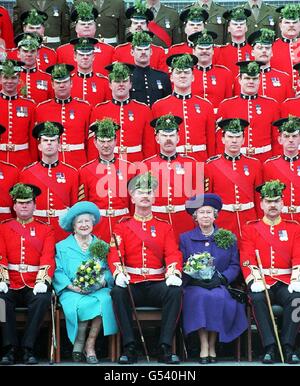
(27,249)
(151,265)
(277,243)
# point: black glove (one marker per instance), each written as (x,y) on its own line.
(216,281)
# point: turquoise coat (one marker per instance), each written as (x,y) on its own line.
(79,307)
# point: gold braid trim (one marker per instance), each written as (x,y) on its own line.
(43,276)
(4,274)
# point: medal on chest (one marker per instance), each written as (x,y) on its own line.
(246,170)
(219,19)
(159,84)
(130,116)
(167,23)
(283,236)
(94,87)
(120,175)
(276,82)
(60,178)
(22,112)
(179,169)
(55,12)
(213,80)
(298,170)
(271,21)
(258,109)
(1,176)
(153,231)
(32,231)
(41,85)
(72,114)
(197,108)
(46,60)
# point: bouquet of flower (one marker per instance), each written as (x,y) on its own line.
(200,266)
(90,273)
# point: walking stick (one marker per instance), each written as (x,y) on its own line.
(53,336)
(132,301)
(269,305)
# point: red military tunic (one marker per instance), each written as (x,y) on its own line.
(105,184)
(285,55)
(214,83)
(74,115)
(234,180)
(17,146)
(232,53)
(286,170)
(179,178)
(290,106)
(260,136)
(273,84)
(135,139)
(9,176)
(148,247)
(37,84)
(46,57)
(6,28)
(31,243)
(187,48)
(278,246)
(92,88)
(157,60)
(103,56)
(59,186)
(197,131)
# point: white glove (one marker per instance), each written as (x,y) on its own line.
(173,280)
(40,288)
(257,287)
(294,287)
(122,280)
(3,287)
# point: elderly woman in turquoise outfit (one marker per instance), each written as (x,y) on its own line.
(208,307)
(80,306)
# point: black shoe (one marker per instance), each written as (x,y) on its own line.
(204,360)
(213,359)
(77,356)
(129,356)
(290,356)
(166,355)
(270,354)
(29,358)
(9,358)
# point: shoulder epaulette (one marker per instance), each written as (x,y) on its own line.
(81,101)
(177,45)
(86,164)
(252,221)
(248,157)
(122,45)
(290,221)
(292,99)
(162,99)
(48,48)
(162,220)
(269,98)
(139,103)
(229,99)
(149,158)
(124,218)
(125,161)
(29,166)
(46,101)
(186,156)
(213,158)
(63,45)
(42,222)
(224,45)
(101,76)
(272,158)
(9,164)
(282,72)
(159,47)
(68,165)
(6,220)
(221,66)
(102,103)
(202,99)
(27,99)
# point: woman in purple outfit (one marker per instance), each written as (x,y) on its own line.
(207,305)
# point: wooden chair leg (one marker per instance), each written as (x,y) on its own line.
(249,335)
(112,347)
(238,349)
(118,345)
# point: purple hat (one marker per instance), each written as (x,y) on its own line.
(208,199)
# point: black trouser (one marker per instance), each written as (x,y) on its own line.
(148,294)
(37,307)
(279,294)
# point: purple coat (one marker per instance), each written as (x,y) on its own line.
(212,309)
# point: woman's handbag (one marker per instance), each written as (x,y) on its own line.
(238,295)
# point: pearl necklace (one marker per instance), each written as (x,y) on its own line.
(208,234)
(84,245)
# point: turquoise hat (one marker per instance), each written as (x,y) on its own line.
(82,207)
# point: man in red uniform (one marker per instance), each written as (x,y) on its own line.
(87,84)
(238,50)
(17,115)
(193,20)
(85,15)
(58,181)
(274,83)
(6,28)
(9,176)
(286,48)
(234,176)
(277,243)
(291,106)
(260,112)
(197,131)
(73,114)
(179,176)
(151,265)
(213,82)
(34,83)
(286,166)
(27,250)
(104,180)
(135,139)
(34,22)
(140,16)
